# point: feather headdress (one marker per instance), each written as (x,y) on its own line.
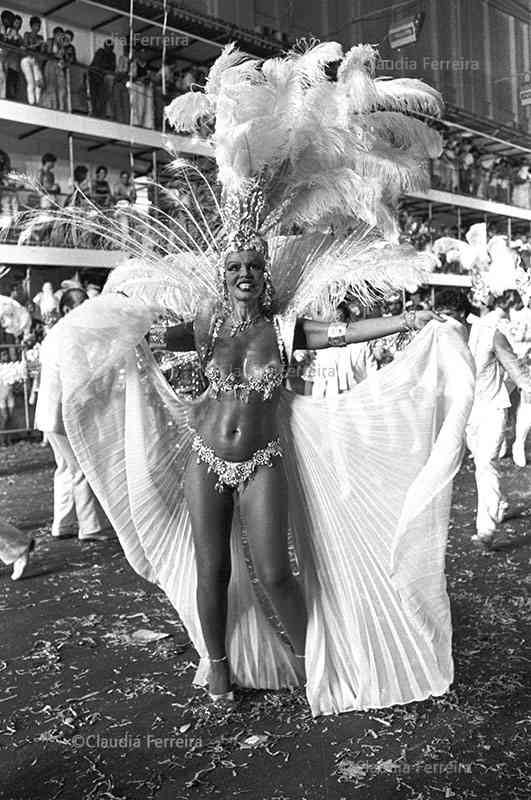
(320,138)
(493,265)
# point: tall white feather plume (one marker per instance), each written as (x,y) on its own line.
(408,94)
(186,110)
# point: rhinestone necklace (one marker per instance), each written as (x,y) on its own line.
(240,327)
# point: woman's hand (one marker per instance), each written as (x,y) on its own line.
(423,317)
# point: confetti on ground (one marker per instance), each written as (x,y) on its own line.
(96,701)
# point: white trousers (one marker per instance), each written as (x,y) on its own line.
(72,496)
(34,80)
(484,435)
(523,423)
(13,543)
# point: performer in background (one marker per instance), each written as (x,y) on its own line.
(73,499)
(15,548)
(364,482)
(494,358)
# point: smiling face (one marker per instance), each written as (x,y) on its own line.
(244,273)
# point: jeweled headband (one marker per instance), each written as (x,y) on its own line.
(242,215)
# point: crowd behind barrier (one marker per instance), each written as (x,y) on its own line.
(126,87)
(123,87)
(465,168)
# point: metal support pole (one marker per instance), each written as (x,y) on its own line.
(155,178)
(26,396)
(459,231)
(71,156)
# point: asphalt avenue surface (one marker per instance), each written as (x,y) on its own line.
(96,701)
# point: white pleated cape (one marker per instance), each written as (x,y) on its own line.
(370,479)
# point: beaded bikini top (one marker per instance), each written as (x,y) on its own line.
(264,384)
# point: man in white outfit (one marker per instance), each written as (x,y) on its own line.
(73,499)
(493,356)
(521,341)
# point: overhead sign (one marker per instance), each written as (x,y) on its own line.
(402,34)
(525,94)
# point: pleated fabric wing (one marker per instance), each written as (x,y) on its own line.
(369,476)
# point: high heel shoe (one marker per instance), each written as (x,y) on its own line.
(224,698)
(21,563)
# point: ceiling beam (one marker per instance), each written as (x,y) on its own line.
(109,21)
(58,7)
(31,132)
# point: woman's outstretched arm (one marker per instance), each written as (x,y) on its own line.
(311,334)
(179,338)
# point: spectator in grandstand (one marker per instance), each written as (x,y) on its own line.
(120,92)
(162,91)
(486,163)
(6,22)
(125,197)
(47,179)
(66,235)
(81,186)
(142,91)
(101,78)
(54,95)
(31,62)
(8,196)
(76,76)
(449,168)
(69,49)
(521,195)
(101,190)
(14,83)
(466,163)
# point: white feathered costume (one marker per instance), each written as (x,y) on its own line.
(370,471)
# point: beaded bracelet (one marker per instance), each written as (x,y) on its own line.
(336,334)
(158,337)
(409,320)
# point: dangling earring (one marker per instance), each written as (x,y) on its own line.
(268,294)
(224,291)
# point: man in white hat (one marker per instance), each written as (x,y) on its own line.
(73,497)
(494,358)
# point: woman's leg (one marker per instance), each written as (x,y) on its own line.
(3,73)
(26,66)
(264,508)
(39,81)
(211,518)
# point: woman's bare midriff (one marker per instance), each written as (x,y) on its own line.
(236,429)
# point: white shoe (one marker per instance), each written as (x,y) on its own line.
(519,455)
(503,508)
(19,566)
(483,539)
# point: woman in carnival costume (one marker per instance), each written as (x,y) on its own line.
(362,483)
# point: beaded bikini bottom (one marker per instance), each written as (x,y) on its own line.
(235,474)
